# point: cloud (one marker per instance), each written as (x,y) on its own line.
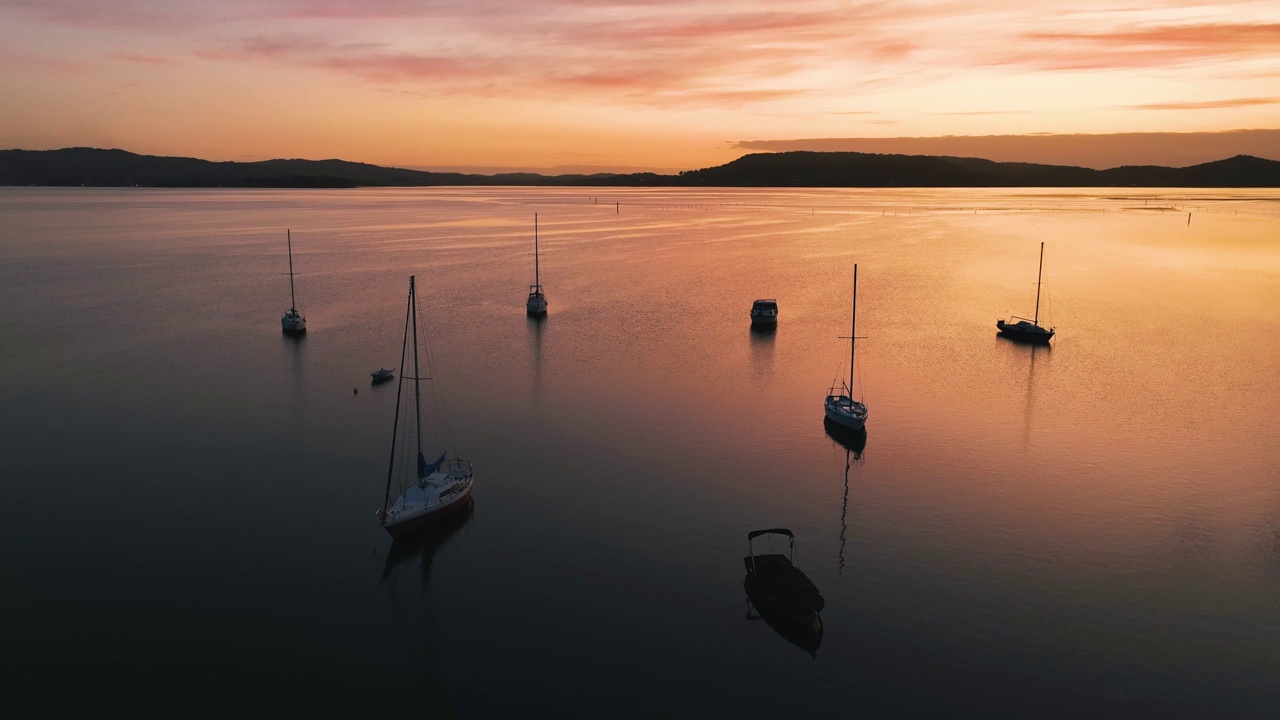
(1144,47)
(781,60)
(1206,104)
(144,59)
(42,64)
(121,89)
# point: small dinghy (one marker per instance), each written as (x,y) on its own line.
(777,587)
(382,374)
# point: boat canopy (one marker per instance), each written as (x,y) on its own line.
(780,531)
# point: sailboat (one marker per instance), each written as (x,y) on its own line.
(292,321)
(840,406)
(437,489)
(537,303)
(1024,329)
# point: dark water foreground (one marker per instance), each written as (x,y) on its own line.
(1090,529)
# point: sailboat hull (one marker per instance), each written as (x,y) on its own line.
(536,305)
(846,412)
(1024,332)
(418,522)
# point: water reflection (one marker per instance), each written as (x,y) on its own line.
(1031,384)
(853,442)
(762,337)
(292,346)
(426,544)
(536,325)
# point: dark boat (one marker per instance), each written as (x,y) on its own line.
(805,637)
(536,305)
(764,312)
(777,587)
(1028,330)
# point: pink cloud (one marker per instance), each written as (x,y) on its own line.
(1144,47)
(42,63)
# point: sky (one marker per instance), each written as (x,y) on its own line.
(624,85)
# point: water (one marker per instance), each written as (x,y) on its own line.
(1088,528)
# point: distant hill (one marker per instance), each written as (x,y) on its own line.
(118,168)
(847,169)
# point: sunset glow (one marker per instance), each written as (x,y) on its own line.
(568,85)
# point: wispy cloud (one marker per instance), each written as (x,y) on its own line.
(121,89)
(1143,47)
(1206,104)
(144,59)
(42,64)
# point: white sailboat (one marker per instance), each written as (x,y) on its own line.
(292,321)
(536,305)
(840,406)
(434,490)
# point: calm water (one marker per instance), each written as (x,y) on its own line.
(1062,532)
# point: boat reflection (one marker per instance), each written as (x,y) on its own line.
(855,441)
(536,325)
(762,344)
(806,636)
(427,542)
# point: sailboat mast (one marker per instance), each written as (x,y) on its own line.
(1039,274)
(417,390)
(293,301)
(536,277)
(395,426)
(853,328)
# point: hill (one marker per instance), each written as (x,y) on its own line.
(847,169)
(118,168)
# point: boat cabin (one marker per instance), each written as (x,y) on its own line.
(764,310)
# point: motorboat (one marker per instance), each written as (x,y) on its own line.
(764,312)
(775,585)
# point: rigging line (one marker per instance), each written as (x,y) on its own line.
(440,407)
(862,384)
(401,485)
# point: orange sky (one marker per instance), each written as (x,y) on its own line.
(637,84)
